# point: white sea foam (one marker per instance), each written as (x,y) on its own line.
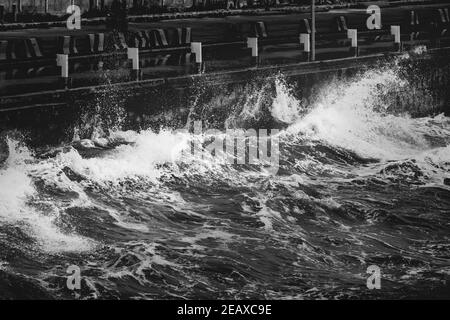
(16,190)
(346,117)
(285,107)
(129,160)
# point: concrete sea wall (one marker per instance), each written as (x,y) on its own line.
(51,117)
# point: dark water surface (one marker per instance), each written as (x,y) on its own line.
(358,184)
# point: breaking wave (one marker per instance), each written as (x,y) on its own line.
(357,184)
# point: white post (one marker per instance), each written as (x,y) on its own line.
(353,35)
(395,31)
(196,48)
(253,44)
(133,54)
(62,60)
(305,40)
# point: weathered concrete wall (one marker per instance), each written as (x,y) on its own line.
(156,103)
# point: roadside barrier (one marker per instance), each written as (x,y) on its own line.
(443,22)
(119,42)
(415,25)
(414,18)
(27,49)
(341,24)
(443,13)
(185,59)
(139,40)
(184,36)
(68,45)
(33,47)
(159,38)
(7,51)
(332,33)
(97,42)
(260,29)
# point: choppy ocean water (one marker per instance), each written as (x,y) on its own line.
(357,185)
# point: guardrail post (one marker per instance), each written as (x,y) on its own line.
(253,44)
(196,48)
(62,60)
(395,31)
(305,39)
(353,35)
(133,54)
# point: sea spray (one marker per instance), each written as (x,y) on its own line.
(357,185)
(16,190)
